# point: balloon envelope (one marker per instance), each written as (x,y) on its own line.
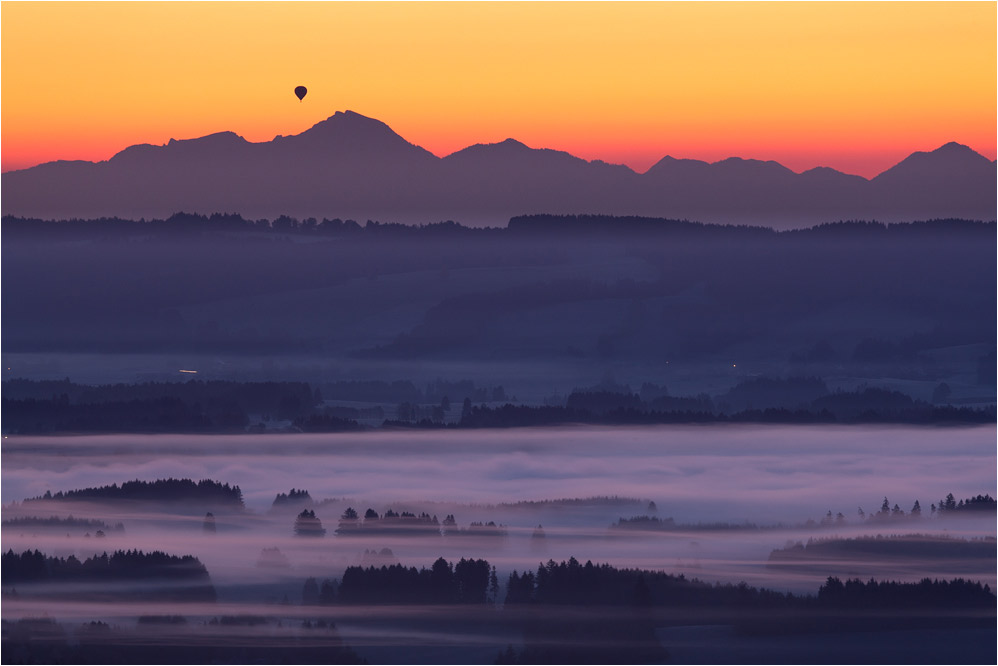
(300,92)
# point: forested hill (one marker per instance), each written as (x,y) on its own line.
(224,406)
(182,224)
(204,492)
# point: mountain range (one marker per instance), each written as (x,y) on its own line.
(352,166)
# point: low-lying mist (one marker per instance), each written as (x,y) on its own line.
(693,473)
(726,497)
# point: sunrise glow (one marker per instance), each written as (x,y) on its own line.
(855,86)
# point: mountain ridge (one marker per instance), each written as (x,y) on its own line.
(356,166)
(949,147)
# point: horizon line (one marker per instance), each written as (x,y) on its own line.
(494,143)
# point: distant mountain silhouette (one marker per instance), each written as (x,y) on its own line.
(952,177)
(351,166)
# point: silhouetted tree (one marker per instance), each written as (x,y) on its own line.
(349,523)
(307,524)
(449,525)
(493,587)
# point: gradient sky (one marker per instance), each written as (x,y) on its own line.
(853,85)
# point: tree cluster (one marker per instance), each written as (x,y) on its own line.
(972,505)
(906,546)
(59,523)
(407,523)
(188,579)
(935,594)
(308,525)
(293,498)
(203,492)
(468,581)
(572,583)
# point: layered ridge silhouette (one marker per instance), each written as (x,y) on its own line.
(352,166)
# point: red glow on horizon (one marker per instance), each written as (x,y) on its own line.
(867,162)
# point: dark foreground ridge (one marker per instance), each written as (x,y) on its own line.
(225,406)
(181,224)
(664,299)
(158,639)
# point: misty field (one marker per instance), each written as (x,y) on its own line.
(732,494)
(720,504)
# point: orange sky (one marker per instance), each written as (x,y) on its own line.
(852,85)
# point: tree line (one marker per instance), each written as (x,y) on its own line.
(850,407)
(225,406)
(947,507)
(893,546)
(59,523)
(192,406)
(203,492)
(936,594)
(571,583)
(182,223)
(393,523)
(468,581)
(188,577)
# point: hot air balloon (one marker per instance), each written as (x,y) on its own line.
(301,91)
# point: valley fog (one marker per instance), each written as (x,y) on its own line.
(733,494)
(693,473)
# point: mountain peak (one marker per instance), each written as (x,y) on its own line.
(351,132)
(349,121)
(500,145)
(950,150)
(957,150)
(507,148)
(951,145)
(951,158)
(671,167)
